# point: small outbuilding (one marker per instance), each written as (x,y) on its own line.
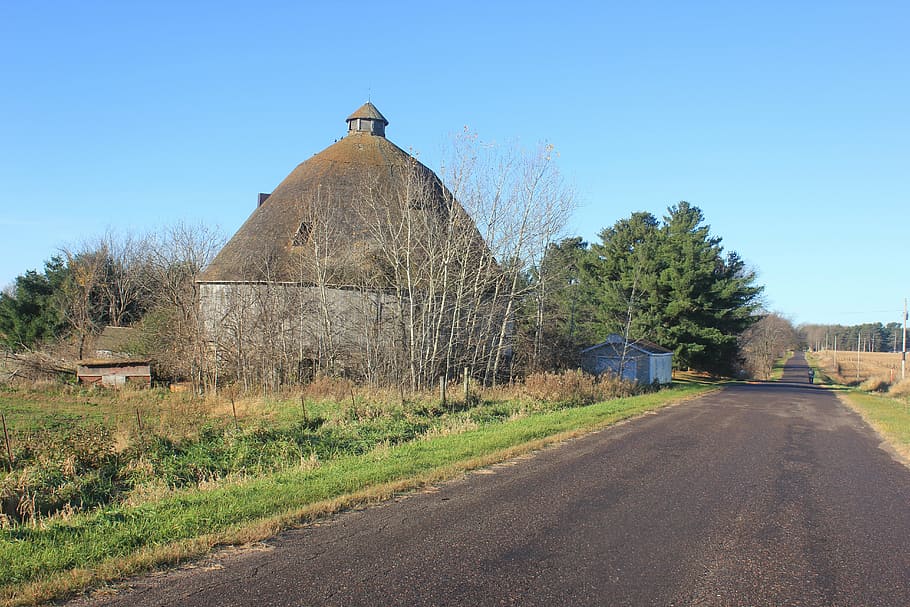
(114,373)
(639,360)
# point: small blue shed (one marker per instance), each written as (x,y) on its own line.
(639,360)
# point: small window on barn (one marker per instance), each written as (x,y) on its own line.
(303,234)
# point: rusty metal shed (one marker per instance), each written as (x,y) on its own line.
(114,373)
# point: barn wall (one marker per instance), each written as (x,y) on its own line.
(356,332)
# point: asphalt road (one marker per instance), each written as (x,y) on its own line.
(771,494)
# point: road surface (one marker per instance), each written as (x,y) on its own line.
(769,494)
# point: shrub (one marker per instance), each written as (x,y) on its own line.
(875,384)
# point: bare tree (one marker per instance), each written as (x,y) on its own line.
(177,255)
(765,342)
(125,285)
(521,205)
(79,298)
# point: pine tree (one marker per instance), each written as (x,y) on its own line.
(671,283)
(619,278)
(30,312)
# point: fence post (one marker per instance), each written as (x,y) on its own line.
(442,389)
(467,393)
(9,449)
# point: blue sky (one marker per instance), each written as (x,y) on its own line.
(786,122)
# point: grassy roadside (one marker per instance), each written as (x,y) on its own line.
(890,417)
(887,415)
(38,564)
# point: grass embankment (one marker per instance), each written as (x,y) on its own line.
(66,554)
(888,415)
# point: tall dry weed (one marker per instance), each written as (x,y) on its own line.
(575,387)
(875,384)
(901,388)
(326,388)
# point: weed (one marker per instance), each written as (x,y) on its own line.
(901,388)
(875,384)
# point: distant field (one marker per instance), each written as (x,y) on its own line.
(850,368)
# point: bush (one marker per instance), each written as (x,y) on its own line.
(875,384)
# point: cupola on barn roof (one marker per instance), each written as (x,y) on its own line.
(367,119)
(336,194)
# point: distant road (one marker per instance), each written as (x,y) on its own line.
(770,494)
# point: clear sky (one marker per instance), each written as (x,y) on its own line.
(786,122)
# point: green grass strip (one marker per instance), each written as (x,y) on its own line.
(65,556)
(889,416)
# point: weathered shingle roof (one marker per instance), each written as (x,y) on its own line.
(368,110)
(333,200)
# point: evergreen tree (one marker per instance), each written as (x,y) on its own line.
(671,283)
(710,298)
(619,279)
(30,312)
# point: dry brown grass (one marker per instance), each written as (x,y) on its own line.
(574,386)
(901,388)
(848,368)
(875,384)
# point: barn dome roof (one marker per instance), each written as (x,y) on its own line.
(328,206)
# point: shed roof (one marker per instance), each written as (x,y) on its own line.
(642,345)
(113,362)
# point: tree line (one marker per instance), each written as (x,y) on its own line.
(866,337)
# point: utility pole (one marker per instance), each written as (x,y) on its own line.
(859,341)
(904,349)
